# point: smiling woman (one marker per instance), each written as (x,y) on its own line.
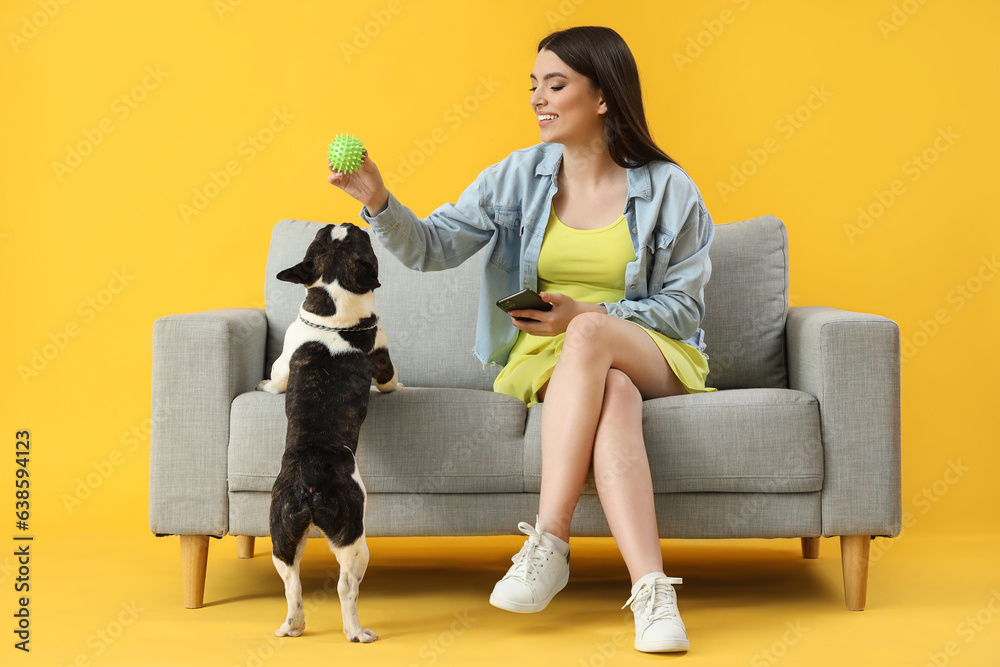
(618,235)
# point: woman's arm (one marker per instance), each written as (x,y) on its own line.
(445,239)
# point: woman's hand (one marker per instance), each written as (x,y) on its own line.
(552,322)
(365,185)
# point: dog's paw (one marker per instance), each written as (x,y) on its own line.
(271,387)
(291,628)
(363,636)
(392,385)
(389,387)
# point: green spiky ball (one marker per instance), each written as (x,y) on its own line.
(345,153)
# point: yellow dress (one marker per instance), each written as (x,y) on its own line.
(587,265)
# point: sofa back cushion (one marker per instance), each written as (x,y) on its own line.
(430,318)
(746,303)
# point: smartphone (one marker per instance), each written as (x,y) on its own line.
(525,299)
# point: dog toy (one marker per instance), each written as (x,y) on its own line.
(345,153)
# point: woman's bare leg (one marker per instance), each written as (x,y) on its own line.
(575,400)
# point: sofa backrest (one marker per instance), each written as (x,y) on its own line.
(746,303)
(430,318)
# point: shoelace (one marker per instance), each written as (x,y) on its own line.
(532,556)
(653,600)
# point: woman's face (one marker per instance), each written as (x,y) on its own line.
(569,109)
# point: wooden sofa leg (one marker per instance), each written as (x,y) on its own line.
(244,546)
(194,565)
(810,547)
(854,555)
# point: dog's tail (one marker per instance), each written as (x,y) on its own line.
(316,482)
(316,494)
(312,477)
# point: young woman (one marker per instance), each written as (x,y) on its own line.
(616,237)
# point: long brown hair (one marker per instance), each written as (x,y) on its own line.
(601,55)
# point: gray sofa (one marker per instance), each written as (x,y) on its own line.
(801,441)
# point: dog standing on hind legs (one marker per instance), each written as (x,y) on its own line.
(331,354)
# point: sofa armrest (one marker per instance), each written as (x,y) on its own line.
(201,361)
(850,362)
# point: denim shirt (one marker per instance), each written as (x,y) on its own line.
(506,210)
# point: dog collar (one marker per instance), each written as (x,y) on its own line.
(356,327)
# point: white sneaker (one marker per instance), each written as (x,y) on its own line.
(658,625)
(540,571)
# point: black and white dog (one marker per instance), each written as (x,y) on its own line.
(330,356)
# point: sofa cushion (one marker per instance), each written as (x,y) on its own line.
(746,302)
(736,441)
(430,318)
(415,440)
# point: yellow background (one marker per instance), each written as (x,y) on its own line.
(121,120)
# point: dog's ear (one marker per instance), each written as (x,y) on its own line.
(303,273)
(366,277)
